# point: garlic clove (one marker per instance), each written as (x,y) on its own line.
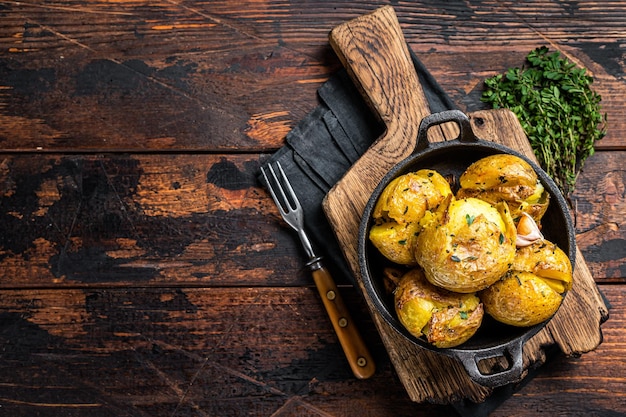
(527,231)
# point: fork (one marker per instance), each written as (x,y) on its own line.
(357,354)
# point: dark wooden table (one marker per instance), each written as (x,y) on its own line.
(144,272)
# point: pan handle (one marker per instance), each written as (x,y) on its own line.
(512,351)
(466,134)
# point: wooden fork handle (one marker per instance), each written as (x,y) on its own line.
(359,357)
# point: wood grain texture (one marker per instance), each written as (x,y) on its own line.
(222,78)
(164,352)
(149,220)
(144,219)
(576,326)
(143,272)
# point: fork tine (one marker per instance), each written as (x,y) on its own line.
(292,194)
(270,187)
(288,205)
(284,203)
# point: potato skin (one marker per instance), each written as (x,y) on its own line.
(546,260)
(447,319)
(399,209)
(507,178)
(518,198)
(395,241)
(521,299)
(497,170)
(407,197)
(469,248)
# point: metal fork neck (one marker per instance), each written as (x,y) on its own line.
(308,248)
(314,260)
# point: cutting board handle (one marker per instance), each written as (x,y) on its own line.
(373,50)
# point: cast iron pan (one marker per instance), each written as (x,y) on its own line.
(450,159)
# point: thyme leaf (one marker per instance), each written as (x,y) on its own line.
(557,109)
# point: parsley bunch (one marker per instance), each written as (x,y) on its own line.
(557,109)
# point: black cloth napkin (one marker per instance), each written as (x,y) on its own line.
(325,144)
(322,147)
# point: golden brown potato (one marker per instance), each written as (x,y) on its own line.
(464,246)
(507,178)
(531,292)
(406,198)
(496,170)
(467,246)
(398,211)
(395,241)
(546,260)
(521,299)
(447,319)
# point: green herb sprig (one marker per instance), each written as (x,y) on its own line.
(557,109)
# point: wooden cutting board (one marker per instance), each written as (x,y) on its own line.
(374,52)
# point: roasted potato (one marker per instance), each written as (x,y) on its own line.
(468,256)
(507,178)
(467,246)
(407,197)
(398,211)
(445,318)
(521,299)
(546,260)
(395,241)
(531,292)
